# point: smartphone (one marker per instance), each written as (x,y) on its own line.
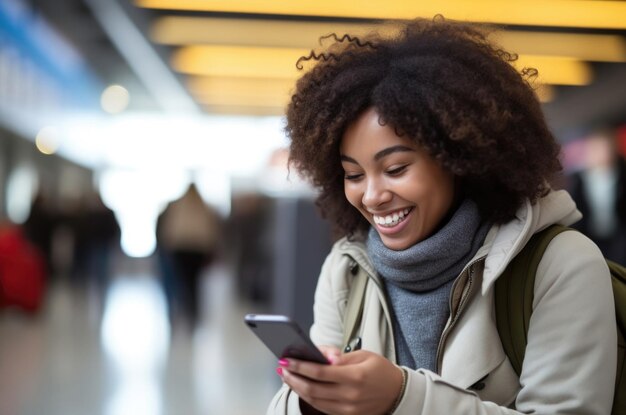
(284,337)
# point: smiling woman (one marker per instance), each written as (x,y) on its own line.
(394,183)
(433,158)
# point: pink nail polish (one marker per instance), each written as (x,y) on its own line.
(279,370)
(283,362)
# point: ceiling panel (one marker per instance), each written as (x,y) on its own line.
(238,57)
(561,13)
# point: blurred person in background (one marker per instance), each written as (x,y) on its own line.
(599,190)
(40,226)
(188,235)
(96,239)
(433,158)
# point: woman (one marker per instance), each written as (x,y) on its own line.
(433,158)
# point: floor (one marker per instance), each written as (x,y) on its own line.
(117,354)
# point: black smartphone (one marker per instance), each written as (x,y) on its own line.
(284,337)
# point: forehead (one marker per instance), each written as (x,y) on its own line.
(367,133)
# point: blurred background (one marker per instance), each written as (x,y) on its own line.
(145,201)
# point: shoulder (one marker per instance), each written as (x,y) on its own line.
(572,247)
(573,263)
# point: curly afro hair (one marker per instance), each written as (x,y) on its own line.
(444,85)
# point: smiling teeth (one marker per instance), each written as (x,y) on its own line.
(392,219)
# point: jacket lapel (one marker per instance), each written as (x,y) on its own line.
(473,349)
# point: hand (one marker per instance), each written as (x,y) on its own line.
(331,353)
(360,382)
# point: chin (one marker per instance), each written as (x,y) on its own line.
(400,244)
(397,245)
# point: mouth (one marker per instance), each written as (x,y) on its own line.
(392,219)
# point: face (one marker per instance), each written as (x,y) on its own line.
(395,184)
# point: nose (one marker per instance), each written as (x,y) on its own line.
(376,193)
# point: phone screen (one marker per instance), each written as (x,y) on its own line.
(284,337)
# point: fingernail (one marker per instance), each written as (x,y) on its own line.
(333,359)
(279,370)
(283,362)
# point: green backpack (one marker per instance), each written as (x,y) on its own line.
(514,292)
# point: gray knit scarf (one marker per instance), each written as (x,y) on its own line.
(419,279)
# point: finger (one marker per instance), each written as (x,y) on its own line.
(342,370)
(323,397)
(311,390)
(314,371)
(279,372)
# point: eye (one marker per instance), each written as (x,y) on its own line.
(397,170)
(353,176)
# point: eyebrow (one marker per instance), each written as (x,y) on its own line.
(381,154)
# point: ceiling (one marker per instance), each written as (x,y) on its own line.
(238,56)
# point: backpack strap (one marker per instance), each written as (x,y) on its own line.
(354,308)
(514,293)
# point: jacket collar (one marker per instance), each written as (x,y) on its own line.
(356,249)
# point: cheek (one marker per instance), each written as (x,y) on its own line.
(446,195)
(436,194)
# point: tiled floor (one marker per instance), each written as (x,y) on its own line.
(74,359)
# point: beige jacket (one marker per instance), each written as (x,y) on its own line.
(570,361)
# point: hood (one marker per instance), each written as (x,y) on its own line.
(505,241)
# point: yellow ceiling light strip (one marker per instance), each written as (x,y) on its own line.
(241,91)
(565,13)
(263,93)
(557,70)
(238,61)
(259,92)
(253,62)
(175,30)
(598,48)
(238,100)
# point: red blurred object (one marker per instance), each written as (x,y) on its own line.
(22,271)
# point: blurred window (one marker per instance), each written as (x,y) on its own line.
(21,187)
